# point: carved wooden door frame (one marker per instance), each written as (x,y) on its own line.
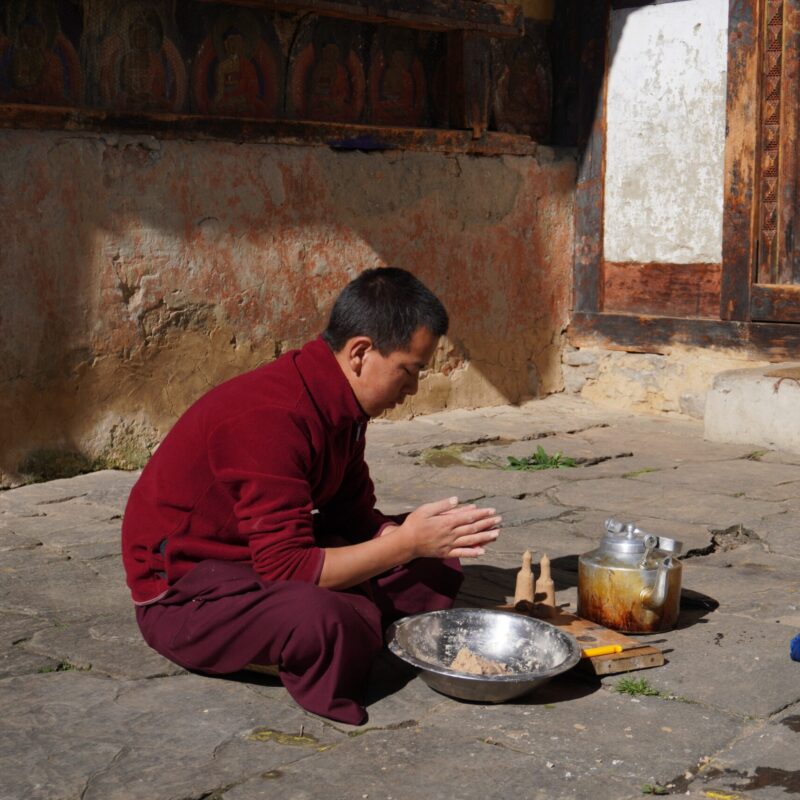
(761,237)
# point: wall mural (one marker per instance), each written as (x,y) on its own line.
(219,60)
(326,71)
(38,63)
(140,68)
(237,70)
(398,87)
(522,85)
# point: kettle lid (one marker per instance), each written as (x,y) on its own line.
(625,537)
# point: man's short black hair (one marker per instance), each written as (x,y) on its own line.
(387,304)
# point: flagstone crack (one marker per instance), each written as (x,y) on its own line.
(58,500)
(124,750)
(547,434)
(214,794)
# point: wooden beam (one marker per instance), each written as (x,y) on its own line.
(674,290)
(492,18)
(293,132)
(775,302)
(739,238)
(647,334)
(588,255)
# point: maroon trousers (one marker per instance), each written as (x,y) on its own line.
(221,616)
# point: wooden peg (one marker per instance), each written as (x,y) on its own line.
(546,584)
(525,587)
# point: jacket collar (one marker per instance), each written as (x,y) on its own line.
(327,385)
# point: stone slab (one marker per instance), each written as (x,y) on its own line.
(471,480)
(74,733)
(77,521)
(779,533)
(762,764)
(59,588)
(755,479)
(634,499)
(748,581)
(136,745)
(109,645)
(599,735)
(15,631)
(106,487)
(11,540)
(756,407)
(728,662)
(561,744)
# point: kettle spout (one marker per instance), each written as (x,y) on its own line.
(653,598)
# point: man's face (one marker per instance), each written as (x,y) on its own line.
(387,380)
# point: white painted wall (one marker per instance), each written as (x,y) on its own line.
(666,132)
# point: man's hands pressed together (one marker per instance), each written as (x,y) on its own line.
(442,529)
(446,530)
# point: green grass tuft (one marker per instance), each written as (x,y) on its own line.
(63,666)
(540,460)
(636,686)
(654,788)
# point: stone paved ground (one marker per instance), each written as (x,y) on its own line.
(88,711)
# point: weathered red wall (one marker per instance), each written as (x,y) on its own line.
(138,273)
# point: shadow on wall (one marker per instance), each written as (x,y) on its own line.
(141,273)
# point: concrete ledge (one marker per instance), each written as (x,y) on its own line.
(756,406)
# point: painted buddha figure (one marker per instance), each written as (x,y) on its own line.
(329,85)
(35,71)
(236,78)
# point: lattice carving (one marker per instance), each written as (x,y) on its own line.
(770,138)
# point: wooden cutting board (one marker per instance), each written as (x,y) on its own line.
(634,654)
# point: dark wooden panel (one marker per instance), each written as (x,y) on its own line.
(742,114)
(588,281)
(497,19)
(673,290)
(522,83)
(339,136)
(564,45)
(648,334)
(468,69)
(775,303)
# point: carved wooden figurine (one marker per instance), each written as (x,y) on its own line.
(525,583)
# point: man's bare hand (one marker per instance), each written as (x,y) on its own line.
(446,530)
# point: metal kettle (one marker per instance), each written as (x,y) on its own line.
(632,581)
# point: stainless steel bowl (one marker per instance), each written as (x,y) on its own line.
(534,651)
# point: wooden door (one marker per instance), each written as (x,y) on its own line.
(775,290)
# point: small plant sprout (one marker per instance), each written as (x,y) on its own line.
(540,460)
(636,686)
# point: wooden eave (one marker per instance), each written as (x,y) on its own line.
(493,19)
(191,127)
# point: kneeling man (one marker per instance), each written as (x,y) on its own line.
(252,536)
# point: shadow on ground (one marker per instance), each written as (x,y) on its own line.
(488,586)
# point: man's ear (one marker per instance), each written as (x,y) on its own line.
(355,350)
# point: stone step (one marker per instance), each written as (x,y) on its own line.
(759,406)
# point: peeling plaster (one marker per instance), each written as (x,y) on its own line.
(666,133)
(140,272)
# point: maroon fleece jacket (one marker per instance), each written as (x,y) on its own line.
(239,474)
